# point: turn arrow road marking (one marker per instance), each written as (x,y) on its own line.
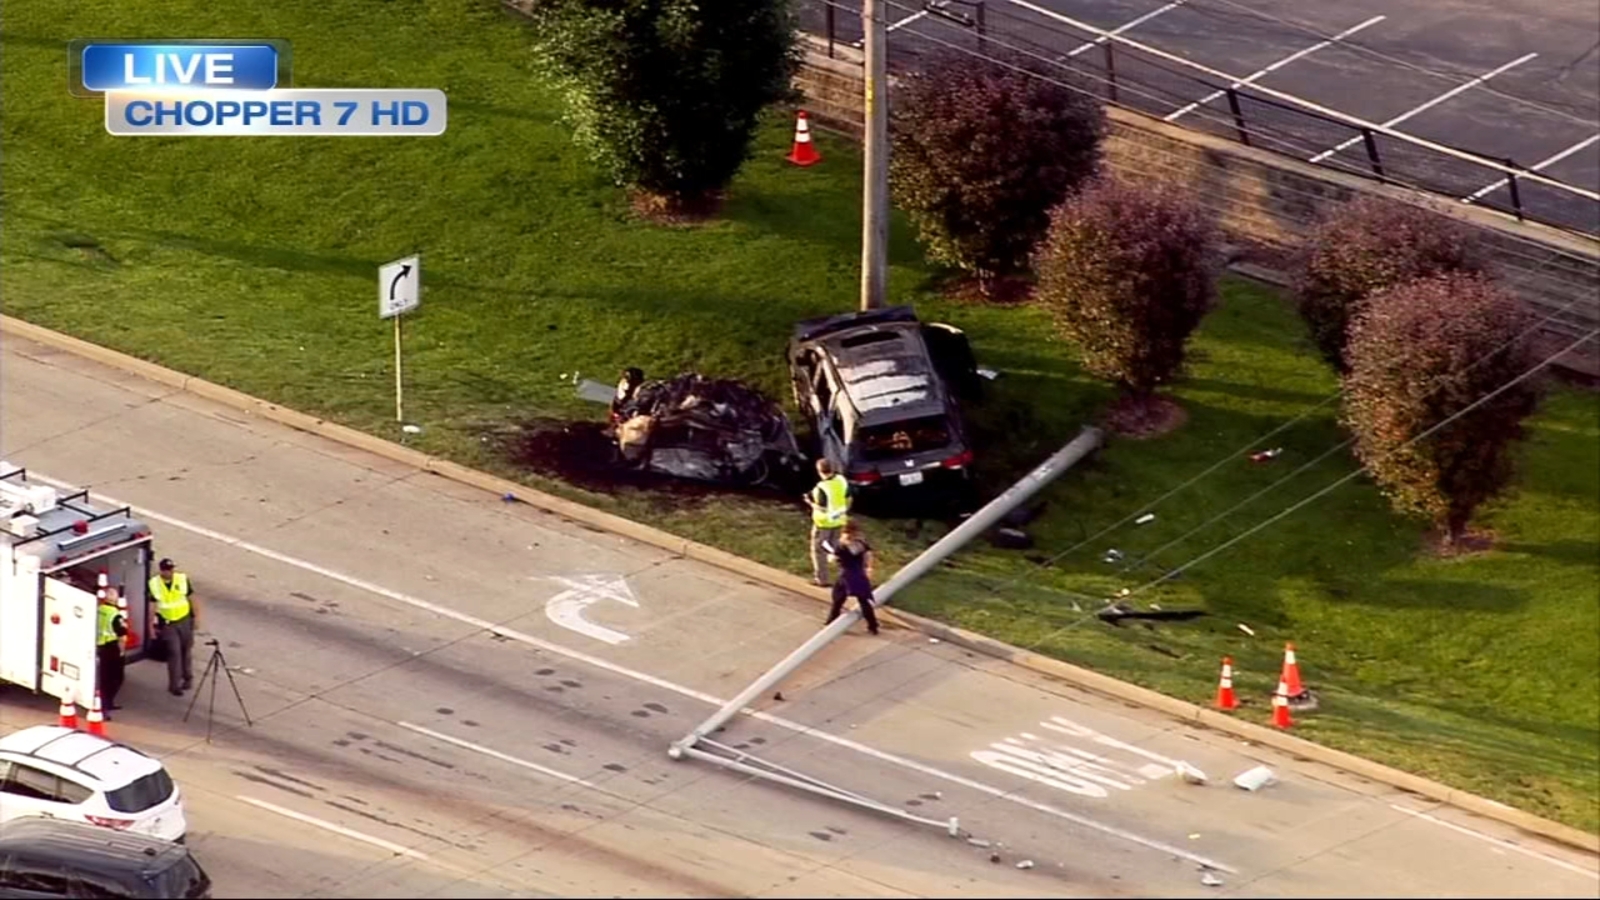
(566,608)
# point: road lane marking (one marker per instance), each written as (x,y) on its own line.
(351,833)
(1070,768)
(1090,45)
(1499,842)
(663,684)
(1251,78)
(505,757)
(1428,105)
(1536,167)
(566,608)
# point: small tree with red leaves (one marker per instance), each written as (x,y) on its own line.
(1419,353)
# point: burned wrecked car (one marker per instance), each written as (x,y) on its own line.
(880,390)
(703,429)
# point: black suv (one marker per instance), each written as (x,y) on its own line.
(879,388)
(54,858)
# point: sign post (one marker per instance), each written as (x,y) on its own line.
(399,292)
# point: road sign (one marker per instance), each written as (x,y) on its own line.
(398,284)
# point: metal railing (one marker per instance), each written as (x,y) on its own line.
(1145,80)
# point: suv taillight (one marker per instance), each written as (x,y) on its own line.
(867,476)
(115,824)
(960,459)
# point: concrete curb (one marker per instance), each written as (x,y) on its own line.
(577,512)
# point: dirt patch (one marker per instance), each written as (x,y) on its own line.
(1141,419)
(1467,544)
(682,212)
(1011,290)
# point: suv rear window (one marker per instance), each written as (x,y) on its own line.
(907,438)
(142,794)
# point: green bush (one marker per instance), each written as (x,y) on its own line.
(666,94)
(1419,353)
(1128,271)
(1366,246)
(981,153)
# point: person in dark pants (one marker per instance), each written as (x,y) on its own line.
(855,574)
(112,628)
(176,615)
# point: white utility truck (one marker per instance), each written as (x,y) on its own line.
(53,549)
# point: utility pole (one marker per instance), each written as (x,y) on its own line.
(875,181)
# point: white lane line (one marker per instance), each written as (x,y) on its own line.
(625,672)
(350,833)
(1499,842)
(906,21)
(1536,167)
(1430,104)
(1251,78)
(1090,45)
(489,751)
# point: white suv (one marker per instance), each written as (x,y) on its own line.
(58,773)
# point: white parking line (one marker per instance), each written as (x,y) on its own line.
(350,833)
(906,21)
(1251,78)
(1121,28)
(1430,104)
(505,757)
(1499,842)
(1536,167)
(662,683)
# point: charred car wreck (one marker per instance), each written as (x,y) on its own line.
(703,429)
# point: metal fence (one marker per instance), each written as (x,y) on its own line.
(1142,82)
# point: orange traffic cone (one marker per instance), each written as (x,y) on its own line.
(97,719)
(1225,697)
(131,641)
(1291,672)
(69,709)
(804,152)
(1280,707)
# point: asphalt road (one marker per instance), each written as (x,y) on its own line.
(423,726)
(1416,64)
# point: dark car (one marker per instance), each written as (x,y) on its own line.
(880,390)
(54,858)
(712,430)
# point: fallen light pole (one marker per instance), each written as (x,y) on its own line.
(981,521)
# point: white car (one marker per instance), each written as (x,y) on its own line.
(58,773)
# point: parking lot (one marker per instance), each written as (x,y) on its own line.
(1517,82)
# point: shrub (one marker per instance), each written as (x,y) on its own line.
(1366,246)
(667,94)
(1128,272)
(980,155)
(1419,353)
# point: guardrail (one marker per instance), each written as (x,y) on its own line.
(1146,80)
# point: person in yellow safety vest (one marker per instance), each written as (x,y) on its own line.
(108,667)
(830,509)
(176,615)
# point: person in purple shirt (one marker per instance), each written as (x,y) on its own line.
(855,574)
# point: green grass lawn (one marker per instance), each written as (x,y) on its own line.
(252,261)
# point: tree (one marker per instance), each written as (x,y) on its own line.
(980,153)
(1128,271)
(1419,353)
(667,94)
(1368,245)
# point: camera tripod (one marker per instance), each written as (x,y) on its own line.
(213,665)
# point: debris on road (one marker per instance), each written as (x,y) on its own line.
(1261,456)
(1145,519)
(1112,556)
(1210,880)
(595,392)
(1246,629)
(411,429)
(1255,779)
(1116,612)
(778,696)
(1191,774)
(1025,864)
(1194,836)
(933,640)
(702,429)
(989,374)
(994,857)
(978,842)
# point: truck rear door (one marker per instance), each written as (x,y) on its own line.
(67,656)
